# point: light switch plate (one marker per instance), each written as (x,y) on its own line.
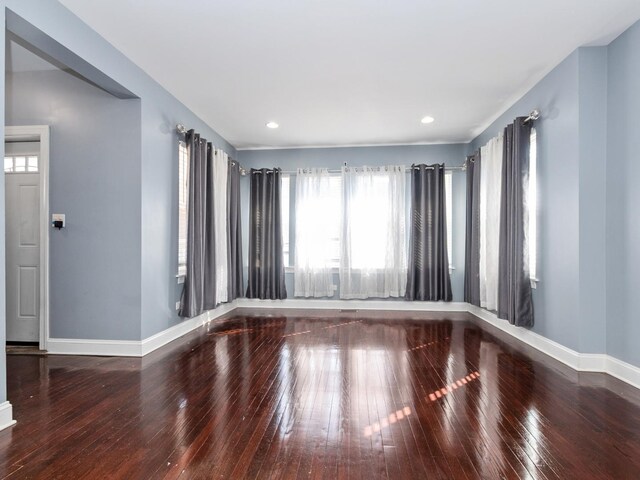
(58,216)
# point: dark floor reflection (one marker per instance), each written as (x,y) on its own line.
(323,395)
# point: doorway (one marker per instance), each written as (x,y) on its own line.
(26,177)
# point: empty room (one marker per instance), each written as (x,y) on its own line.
(354,239)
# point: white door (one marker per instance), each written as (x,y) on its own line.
(22,236)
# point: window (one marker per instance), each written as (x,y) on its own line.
(183,206)
(327,213)
(368,211)
(21,164)
(285,195)
(332,218)
(533,205)
(448,192)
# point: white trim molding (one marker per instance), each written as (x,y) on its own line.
(85,346)
(623,371)
(160,339)
(328,304)
(582,362)
(6,415)
(134,348)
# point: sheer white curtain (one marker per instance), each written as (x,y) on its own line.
(317,225)
(220,171)
(373,261)
(490,195)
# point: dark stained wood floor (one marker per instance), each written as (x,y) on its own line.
(321,396)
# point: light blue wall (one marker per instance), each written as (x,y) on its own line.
(588,179)
(556,299)
(623,197)
(592,125)
(94,180)
(334,158)
(156,166)
(566,155)
(160,114)
(3,286)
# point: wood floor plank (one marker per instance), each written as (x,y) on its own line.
(321,395)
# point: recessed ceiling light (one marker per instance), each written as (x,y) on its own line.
(427,119)
(272,125)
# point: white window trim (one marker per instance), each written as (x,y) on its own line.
(534,214)
(182,268)
(448,182)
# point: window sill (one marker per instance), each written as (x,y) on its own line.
(534,282)
(180,277)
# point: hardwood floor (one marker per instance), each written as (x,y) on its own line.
(327,395)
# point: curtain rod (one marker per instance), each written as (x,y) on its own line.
(534,115)
(181,129)
(407,169)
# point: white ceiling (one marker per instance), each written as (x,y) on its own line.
(351,72)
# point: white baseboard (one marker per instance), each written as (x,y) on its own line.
(160,339)
(583,362)
(84,346)
(133,348)
(623,371)
(325,304)
(6,415)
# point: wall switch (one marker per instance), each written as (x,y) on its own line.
(58,220)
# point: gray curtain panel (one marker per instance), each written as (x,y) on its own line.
(199,290)
(266,262)
(472,239)
(428,273)
(236,282)
(514,287)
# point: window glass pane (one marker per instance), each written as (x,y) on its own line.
(20,164)
(448,191)
(333,218)
(533,205)
(364,211)
(32,164)
(285,207)
(318,211)
(183,206)
(8,164)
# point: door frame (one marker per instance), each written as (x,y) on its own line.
(39,133)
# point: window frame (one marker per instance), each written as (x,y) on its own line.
(27,157)
(183,208)
(285,212)
(448,193)
(532,199)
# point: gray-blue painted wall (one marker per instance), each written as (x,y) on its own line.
(3,286)
(592,126)
(334,158)
(623,196)
(95,180)
(556,299)
(156,172)
(588,178)
(565,184)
